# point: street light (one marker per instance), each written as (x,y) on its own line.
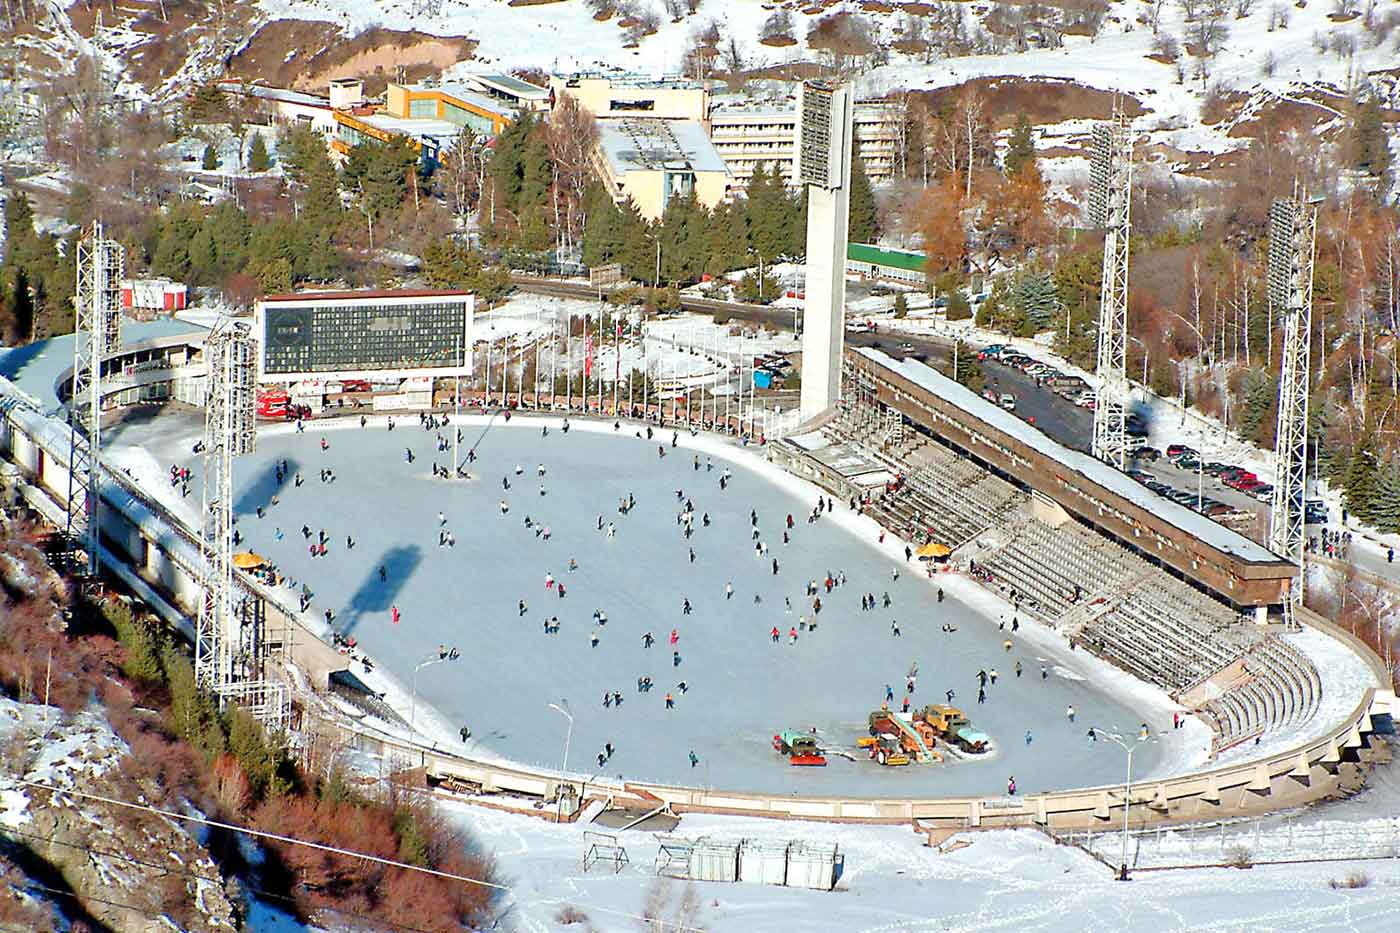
(413,707)
(568,736)
(561,709)
(1128,745)
(1144,362)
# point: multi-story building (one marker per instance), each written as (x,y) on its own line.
(744,131)
(650,161)
(429,116)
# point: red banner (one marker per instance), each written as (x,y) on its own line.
(587,350)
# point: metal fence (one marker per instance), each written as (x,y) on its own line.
(1258,841)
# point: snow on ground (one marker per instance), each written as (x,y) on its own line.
(1002,880)
(46,746)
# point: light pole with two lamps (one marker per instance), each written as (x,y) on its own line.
(562,709)
(444,655)
(1129,744)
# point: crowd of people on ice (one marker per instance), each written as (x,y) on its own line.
(695,526)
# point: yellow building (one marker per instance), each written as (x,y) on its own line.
(430,117)
(652,161)
(607,96)
(454,103)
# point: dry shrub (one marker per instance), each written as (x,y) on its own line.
(380,829)
(1239,857)
(1352,881)
(569,915)
(231,785)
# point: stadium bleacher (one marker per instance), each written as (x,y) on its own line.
(1101,595)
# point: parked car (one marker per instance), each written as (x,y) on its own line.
(1263,492)
(907,347)
(1215,468)
(1187,462)
(1007,401)
(1176,450)
(1243,481)
(1150,454)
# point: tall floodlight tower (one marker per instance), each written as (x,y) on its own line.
(824,169)
(1111,182)
(1292,243)
(97,321)
(229,430)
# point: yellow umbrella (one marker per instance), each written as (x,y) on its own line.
(934,550)
(247,560)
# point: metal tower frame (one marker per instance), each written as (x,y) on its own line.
(1111,171)
(1292,247)
(229,642)
(97,323)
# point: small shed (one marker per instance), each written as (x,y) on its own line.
(812,865)
(714,860)
(763,861)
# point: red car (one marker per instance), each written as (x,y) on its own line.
(1242,480)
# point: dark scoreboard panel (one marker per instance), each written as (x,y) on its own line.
(363,336)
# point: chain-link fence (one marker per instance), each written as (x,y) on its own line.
(1259,841)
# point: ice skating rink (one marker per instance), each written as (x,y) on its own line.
(742,688)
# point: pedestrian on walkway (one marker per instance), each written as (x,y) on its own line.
(1069,712)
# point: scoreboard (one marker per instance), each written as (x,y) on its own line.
(334,335)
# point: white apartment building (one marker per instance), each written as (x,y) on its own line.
(746,134)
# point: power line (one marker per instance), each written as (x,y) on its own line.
(261,893)
(322,847)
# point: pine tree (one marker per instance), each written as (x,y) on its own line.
(1259,390)
(968,371)
(22,308)
(771,214)
(602,228)
(258,158)
(1386,514)
(1369,147)
(726,240)
(1037,302)
(863,224)
(207,105)
(1359,485)
(1020,146)
(901,306)
(210,160)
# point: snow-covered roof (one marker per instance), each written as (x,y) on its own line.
(412,126)
(468,95)
(650,145)
(1105,476)
(279,94)
(509,84)
(37,368)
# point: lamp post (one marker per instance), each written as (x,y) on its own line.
(413,706)
(1144,362)
(561,709)
(1129,745)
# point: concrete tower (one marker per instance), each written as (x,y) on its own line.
(824,168)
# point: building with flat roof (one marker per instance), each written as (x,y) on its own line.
(876,262)
(627,95)
(282,106)
(651,161)
(430,117)
(510,90)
